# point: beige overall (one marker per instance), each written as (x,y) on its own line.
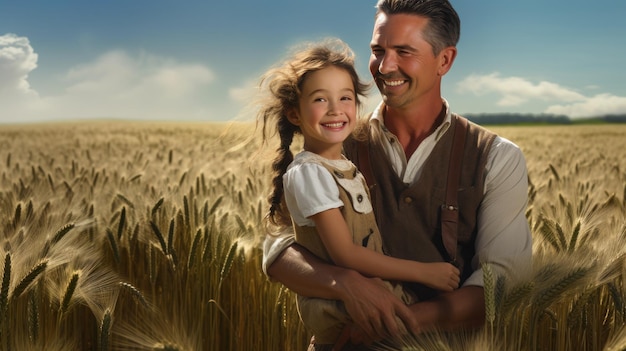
(327,318)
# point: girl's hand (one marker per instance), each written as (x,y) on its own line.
(442,276)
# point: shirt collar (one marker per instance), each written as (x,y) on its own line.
(377,121)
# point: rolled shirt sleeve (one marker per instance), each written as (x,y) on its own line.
(504,238)
(275,244)
(309,189)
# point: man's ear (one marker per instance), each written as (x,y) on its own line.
(446,59)
(293,116)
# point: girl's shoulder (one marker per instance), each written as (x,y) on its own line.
(307,157)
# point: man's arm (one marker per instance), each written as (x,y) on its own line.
(463,308)
(370,304)
(504,239)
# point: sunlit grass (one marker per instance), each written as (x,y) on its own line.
(138,236)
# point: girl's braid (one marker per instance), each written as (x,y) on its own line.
(278,214)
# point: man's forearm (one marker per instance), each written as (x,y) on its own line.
(307,275)
(460,309)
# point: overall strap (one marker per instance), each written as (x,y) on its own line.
(450,209)
(365,165)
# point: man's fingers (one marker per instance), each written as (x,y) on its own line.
(405,314)
(391,325)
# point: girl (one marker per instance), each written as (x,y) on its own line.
(320,192)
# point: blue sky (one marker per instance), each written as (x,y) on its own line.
(199,60)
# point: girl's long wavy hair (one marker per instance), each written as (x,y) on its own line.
(282,85)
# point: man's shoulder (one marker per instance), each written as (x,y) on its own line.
(474,127)
(356,140)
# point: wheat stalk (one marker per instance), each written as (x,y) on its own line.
(157,233)
(4,290)
(29,278)
(114,247)
(489,290)
(157,206)
(17,215)
(33,316)
(125,200)
(554,172)
(122,223)
(215,205)
(186,210)
(228,261)
(549,294)
(574,237)
(170,235)
(69,292)
(194,249)
(105,331)
(516,294)
(61,233)
(137,295)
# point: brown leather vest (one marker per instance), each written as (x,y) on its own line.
(408,216)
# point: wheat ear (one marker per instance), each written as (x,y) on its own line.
(489,286)
(135,293)
(156,206)
(194,249)
(114,247)
(105,330)
(159,236)
(6,280)
(33,316)
(228,261)
(69,292)
(61,233)
(29,278)
(547,295)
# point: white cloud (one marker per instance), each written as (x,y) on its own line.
(598,105)
(17,60)
(516,91)
(244,93)
(143,87)
(116,84)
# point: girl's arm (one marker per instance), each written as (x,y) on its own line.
(334,232)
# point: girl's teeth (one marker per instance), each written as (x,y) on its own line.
(334,125)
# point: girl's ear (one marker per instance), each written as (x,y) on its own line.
(293,117)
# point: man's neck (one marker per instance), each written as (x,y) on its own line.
(412,126)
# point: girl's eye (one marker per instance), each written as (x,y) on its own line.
(348,98)
(320,99)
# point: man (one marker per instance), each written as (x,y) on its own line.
(410,138)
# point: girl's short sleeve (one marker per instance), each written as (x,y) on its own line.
(309,189)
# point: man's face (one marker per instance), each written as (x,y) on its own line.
(402,61)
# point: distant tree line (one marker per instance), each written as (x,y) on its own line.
(517,118)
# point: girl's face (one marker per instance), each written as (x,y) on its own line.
(326,113)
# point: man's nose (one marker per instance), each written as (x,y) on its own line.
(388,63)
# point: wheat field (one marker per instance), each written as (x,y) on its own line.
(147,236)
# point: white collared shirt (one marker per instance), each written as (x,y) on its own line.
(408,170)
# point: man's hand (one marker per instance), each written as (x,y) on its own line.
(374,309)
